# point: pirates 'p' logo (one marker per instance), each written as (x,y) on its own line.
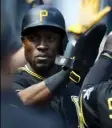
(43,13)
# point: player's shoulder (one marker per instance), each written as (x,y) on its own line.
(104,93)
(105,89)
(21,74)
(98,89)
(26,77)
(104,103)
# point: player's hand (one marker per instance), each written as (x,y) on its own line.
(90,14)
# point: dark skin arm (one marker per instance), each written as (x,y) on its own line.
(42,92)
(37,93)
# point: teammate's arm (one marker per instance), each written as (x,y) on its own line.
(92,89)
(103,67)
(99,72)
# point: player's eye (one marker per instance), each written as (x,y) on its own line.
(50,39)
(34,38)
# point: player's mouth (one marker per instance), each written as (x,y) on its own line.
(43,57)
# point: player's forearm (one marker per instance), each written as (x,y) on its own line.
(41,92)
(35,94)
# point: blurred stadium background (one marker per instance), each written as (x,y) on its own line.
(13,11)
(70,10)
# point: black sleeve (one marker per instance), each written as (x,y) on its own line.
(19,81)
(22,80)
(90,90)
(17,86)
(99,72)
(96,105)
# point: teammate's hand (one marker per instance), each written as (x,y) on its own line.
(90,14)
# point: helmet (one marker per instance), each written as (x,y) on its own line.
(45,16)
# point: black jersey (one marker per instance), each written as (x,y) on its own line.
(61,106)
(96,105)
(48,116)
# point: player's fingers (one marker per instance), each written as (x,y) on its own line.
(88,2)
(93,2)
(96,2)
(96,5)
(102,13)
(82,3)
(82,6)
(29,1)
(85,3)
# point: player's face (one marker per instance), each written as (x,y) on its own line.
(41,47)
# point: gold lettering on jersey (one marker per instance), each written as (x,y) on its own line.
(75,100)
(110,106)
(43,13)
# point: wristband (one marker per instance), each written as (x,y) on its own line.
(59,79)
(65,62)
